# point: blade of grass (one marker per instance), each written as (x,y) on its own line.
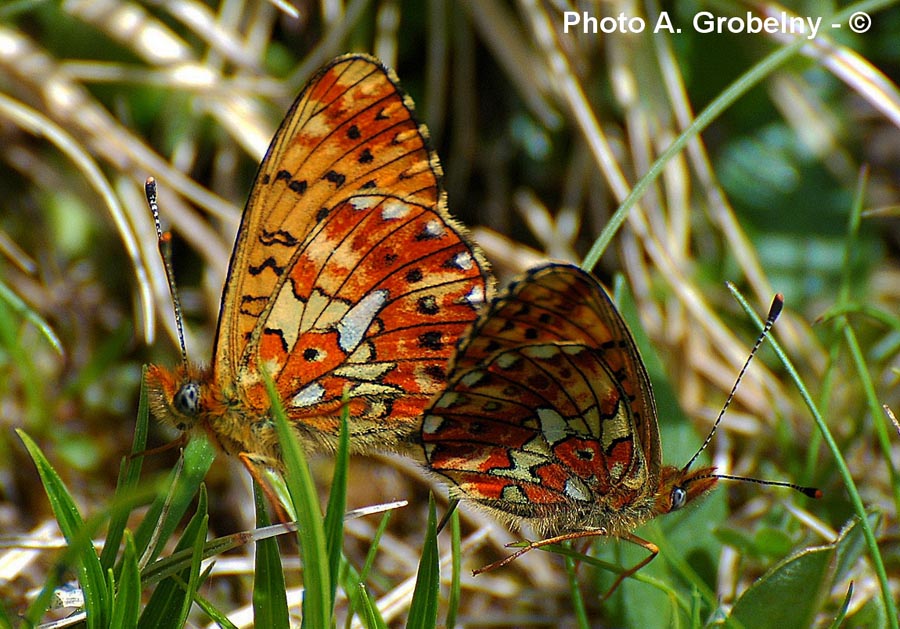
(171,600)
(575,594)
(453,597)
(163,518)
(337,501)
(723,101)
(92,577)
(424,606)
(360,600)
(129,475)
(839,460)
(23,310)
(317,603)
(127,604)
(270,608)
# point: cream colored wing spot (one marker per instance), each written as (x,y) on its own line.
(522,465)
(372,372)
(475,298)
(393,209)
(513,494)
(321,312)
(576,489)
(433,229)
(309,395)
(464,261)
(286,315)
(553,425)
(432,424)
(364,203)
(353,325)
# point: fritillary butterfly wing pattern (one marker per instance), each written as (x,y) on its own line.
(549,416)
(348,273)
(562,304)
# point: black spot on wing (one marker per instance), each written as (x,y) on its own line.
(335,177)
(268,263)
(433,340)
(277,237)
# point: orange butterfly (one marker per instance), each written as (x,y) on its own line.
(549,417)
(348,274)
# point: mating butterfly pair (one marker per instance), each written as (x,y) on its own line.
(349,275)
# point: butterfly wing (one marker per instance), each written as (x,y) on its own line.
(348,271)
(561,303)
(542,432)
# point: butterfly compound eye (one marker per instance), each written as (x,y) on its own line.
(679,497)
(187,400)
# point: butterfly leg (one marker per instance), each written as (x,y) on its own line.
(652,548)
(254,465)
(544,542)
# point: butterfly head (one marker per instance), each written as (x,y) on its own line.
(175,396)
(677,487)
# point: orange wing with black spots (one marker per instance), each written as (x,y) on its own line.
(561,303)
(549,415)
(348,273)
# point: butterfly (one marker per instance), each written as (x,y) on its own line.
(549,418)
(348,274)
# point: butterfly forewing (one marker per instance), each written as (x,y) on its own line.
(351,130)
(348,275)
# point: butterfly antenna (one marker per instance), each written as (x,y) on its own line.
(164,242)
(774,311)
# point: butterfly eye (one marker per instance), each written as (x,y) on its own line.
(186,401)
(679,497)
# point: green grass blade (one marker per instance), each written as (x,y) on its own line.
(171,600)
(455,569)
(25,311)
(129,476)
(839,461)
(373,548)
(424,607)
(317,602)
(360,600)
(728,97)
(198,456)
(337,502)
(270,608)
(92,577)
(127,604)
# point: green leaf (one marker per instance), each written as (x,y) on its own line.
(424,606)
(270,608)
(788,595)
(92,577)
